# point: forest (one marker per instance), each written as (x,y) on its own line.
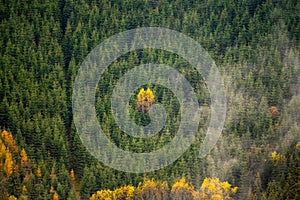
(255,45)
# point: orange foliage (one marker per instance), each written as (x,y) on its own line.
(72,175)
(16,167)
(52,175)
(8,164)
(39,172)
(273,111)
(26,178)
(55,196)
(24,157)
(2,151)
(9,141)
(2,148)
(52,189)
(24,189)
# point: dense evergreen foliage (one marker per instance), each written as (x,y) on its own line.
(255,45)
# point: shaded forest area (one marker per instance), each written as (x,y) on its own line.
(255,45)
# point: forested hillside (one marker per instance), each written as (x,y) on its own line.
(255,45)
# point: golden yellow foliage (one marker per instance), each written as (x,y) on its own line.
(8,164)
(151,183)
(234,190)
(182,190)
(125,192)
(213,188)
(150,188)
(216,197)
(145,99)
(102,195)
(182,184)
(12,197)
(298,145)
(276,156)
(24,158)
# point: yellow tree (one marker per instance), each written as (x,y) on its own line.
(145,99)
(123,193)
(102,195)
(126,192)
(182,190)
(213,189)
(151,189)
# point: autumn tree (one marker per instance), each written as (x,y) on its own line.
(55,196)
(273,111)
(24,158)
(145,98)
(182,190)
(214,189)
(39,172)
(2,151)
(102,195)
(9,140)
(72,175)
(8,164)
(151,189)
(123,193)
